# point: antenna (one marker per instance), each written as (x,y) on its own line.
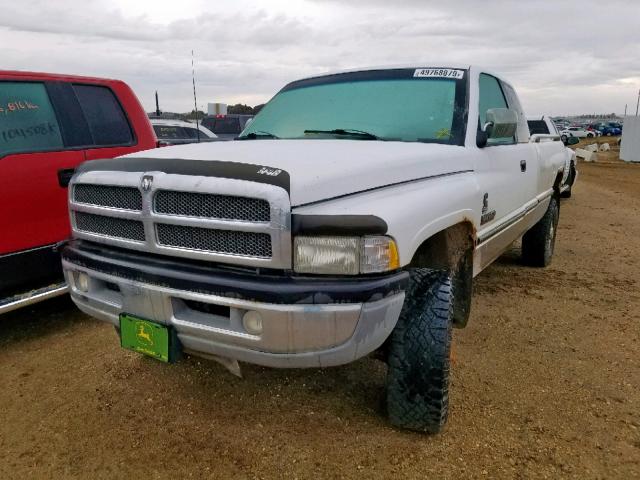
(158,112)
(195,102)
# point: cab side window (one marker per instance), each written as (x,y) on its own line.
(491,96)
(105,117)
(27,120)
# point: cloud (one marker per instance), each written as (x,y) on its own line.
(561,56)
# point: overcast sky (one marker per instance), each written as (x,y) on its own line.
(562,56)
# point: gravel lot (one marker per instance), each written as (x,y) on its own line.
(546,383)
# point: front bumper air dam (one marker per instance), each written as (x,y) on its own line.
(323,323)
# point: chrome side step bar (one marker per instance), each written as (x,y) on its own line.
(31,297)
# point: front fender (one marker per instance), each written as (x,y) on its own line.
(413,211)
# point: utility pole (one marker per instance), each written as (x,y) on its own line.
(625,109)
(638,103)
(158,113)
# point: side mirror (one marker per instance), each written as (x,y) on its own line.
(501,122)
(572,140)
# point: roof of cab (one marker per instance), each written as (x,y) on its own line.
(477,68)
(23,75)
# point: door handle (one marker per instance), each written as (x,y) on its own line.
(64,176)
(523,165)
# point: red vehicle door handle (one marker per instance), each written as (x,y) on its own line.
(64,176)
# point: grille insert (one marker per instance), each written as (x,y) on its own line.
(208,205)
(127,198)
(110,226)
(249,244)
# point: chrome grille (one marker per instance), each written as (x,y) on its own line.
(226,220)
(207,205)
(250,244)
(128,198)
(110,226)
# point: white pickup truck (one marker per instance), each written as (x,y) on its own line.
(349,217)
(542,129)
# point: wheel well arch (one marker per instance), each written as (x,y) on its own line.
(557,183)
(452,250)
(444,249)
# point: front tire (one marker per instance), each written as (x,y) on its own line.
(419,349)
(563,138)
(590,135)
(539,242)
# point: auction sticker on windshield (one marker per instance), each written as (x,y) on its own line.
(439,73)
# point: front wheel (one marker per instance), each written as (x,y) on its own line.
(418,358)
(539,242)
(563,138)
(590,135)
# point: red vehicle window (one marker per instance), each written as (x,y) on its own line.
(27,120)
(107,121)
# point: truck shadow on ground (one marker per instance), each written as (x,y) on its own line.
(39,320)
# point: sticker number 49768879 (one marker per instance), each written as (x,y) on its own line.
(439,73)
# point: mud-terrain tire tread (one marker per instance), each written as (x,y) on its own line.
(419,363)
(537,250)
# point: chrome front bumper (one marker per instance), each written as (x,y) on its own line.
(296,335)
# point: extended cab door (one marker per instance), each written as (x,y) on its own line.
(507,172)
(33,162)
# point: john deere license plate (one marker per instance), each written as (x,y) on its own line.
(145,337)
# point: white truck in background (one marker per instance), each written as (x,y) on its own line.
(349,217)
(542,129)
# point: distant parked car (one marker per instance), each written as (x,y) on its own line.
(226,127)
(178,132)
(608,130)
(579,132)
(49,124)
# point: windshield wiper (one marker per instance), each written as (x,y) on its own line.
(256,135)
(350,132)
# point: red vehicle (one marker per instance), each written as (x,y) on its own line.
(49,124)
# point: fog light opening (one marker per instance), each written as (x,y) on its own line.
(252,322)
(82,282)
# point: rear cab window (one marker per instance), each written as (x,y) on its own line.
(27,120)
(106,119)
(226,125)
(538,127)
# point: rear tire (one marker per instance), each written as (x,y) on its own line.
(419,349)
(590,135)
(539,242)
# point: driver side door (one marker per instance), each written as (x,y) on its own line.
(507,170)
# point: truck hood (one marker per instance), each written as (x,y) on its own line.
(324,169)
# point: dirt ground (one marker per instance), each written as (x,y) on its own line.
(546,383)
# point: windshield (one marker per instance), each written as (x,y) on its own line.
(391,105)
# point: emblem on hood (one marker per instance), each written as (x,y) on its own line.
(147,180)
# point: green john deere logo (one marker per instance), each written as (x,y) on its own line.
(144,334)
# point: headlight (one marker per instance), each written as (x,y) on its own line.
(345,255)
